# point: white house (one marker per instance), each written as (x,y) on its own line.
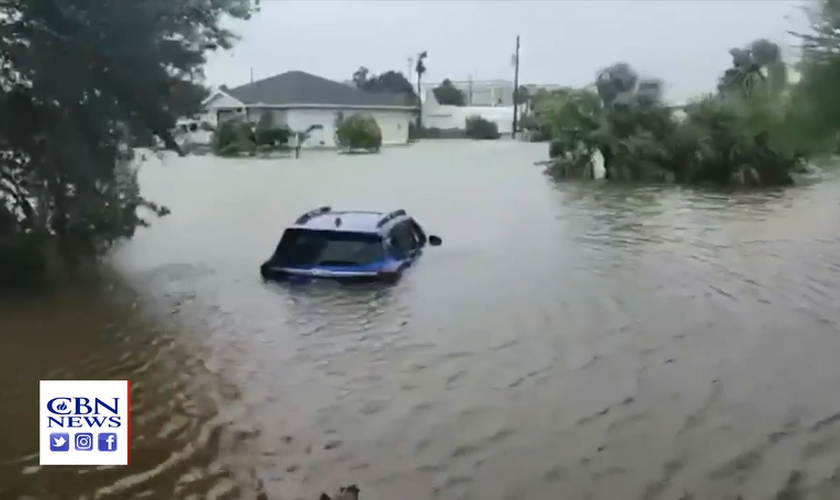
(300,100)
(483,92)
(455,117)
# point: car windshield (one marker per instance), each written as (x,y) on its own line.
(304,247)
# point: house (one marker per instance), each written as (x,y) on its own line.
(300,100)
(476,92)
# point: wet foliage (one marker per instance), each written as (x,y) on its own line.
(389,82)
(748,132)
(82,82)
(359,132)
(235,137)
(447,94)
(480,128)
(819,74)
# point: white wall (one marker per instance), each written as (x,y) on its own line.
(301,119)
(449,117)
(477,92)
(394,125)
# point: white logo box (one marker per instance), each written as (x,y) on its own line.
(103,390)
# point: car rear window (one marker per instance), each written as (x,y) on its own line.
(304,247)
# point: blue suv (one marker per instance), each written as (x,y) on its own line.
(350,245)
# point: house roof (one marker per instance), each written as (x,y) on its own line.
(298,87)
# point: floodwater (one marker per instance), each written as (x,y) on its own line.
(575,342)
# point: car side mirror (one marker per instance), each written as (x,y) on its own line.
(435,241)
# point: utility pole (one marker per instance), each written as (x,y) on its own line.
(515,88)
(469,90)
(409,75)
(252,74)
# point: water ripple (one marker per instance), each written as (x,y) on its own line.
(569,341)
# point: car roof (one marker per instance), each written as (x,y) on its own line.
(355,221)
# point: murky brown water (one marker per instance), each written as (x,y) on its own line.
(569,342)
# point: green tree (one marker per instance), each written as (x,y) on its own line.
(448,94)
(523,95)
(360,77)
(359,132)
(751,65)
(819,75)
(83,82)
(572,118)
(391,82)
(734,137)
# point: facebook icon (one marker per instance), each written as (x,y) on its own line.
(107,441)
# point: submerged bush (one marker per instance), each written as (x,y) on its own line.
(481,128)
(359,132)
(268,136)
(234,137)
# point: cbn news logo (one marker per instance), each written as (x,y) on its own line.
(84,422)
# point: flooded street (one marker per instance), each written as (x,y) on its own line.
(570,342)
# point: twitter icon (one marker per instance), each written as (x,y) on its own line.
(59,441)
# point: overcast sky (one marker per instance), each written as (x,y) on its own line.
(683,42)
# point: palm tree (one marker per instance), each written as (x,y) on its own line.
(420,69)
(360,77)
(749,65)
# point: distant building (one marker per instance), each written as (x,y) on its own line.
(483,92)
(299,100)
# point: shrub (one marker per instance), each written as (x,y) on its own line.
(224,137)
(234,137)
(480,128)
(276,137)
(556,148)
(536,131)
(266,121)
(269,136)
(359,131)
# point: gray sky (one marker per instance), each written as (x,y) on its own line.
(683,42)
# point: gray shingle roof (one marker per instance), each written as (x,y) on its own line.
(298,87)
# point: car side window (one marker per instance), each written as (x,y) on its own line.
(403,240)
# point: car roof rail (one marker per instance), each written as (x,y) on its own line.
(391,216)
(303,219)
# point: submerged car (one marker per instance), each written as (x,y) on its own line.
(348,245)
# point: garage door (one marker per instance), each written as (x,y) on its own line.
(394,127)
